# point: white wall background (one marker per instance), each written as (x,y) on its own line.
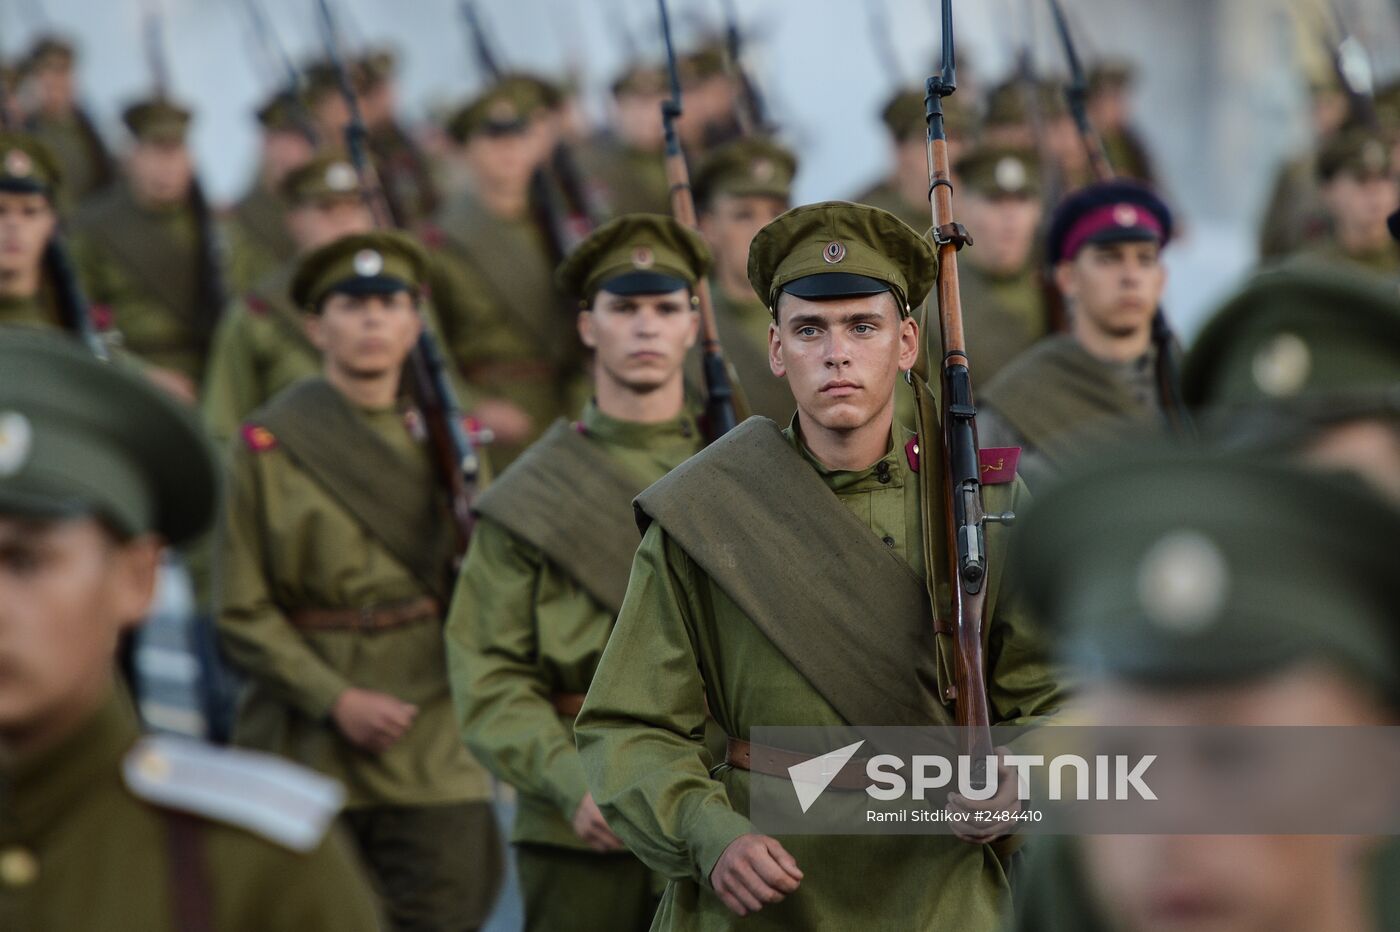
(1221,97)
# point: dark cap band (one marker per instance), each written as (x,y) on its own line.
(836,285)
(637,283)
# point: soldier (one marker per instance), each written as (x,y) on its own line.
(548,567)
(334,560)
(1294,217)
(493,283)
(261,346)
(625,168)
(1305,360)
(99,826)
(740,188)
(60,123)
(29,186)
(711,99)
(257,226)
(1023,114)
(144,253)
(904,191)
(800,617)
(1106,244)
(324,101)
(404,171)
(1000,275)
(1111,85)
(1359,190)
(1240,594)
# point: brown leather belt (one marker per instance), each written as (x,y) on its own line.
(567,704)
(774,762)
(369,618)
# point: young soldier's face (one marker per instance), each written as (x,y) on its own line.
(1360,205)
(732,222)
(323,222)
(841,357)
(161,172)
(640,341)
(26,223)
(1006,226)
(284,151)
(1230,883)
(68,590)
(54,87)
(504,161)
(636,120)
(1114,287)
(365,336)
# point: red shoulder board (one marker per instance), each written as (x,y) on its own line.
(101,316)
(911,453)
(259,439)
(998,464)
(257,305)
(432,236)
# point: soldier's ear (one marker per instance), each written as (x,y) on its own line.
(586,332)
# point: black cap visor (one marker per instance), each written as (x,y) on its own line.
(369,285)
(631,284)
(836,285)
(22,186)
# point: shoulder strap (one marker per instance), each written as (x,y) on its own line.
(396,501)
(267,796)
(189,873)
(572,501)
(760,522)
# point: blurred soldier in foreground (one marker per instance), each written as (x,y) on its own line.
(817,615)
(1221,593)
(1106,244)
(60,123)
(261,346)
(740,188)
(335,561)
(257,224)
(98,826)
(548,567)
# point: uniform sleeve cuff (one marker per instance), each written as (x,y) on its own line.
(718,828)
(319,691)
(567,784)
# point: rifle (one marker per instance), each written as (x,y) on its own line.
(455,458)
(1076,93)
(752,111)
(558,194)
(961,493)
(275,56)
(211,296)
(69,300)
(720,414)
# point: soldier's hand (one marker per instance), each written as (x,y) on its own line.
(1006,801)
(754,871)
(590,825)
(373,721)
(175,384)
(506,420)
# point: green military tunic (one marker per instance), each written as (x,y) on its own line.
(623,179)
(258,239)
(82,157)
(887,197)
(405,173)
(1384,261)
(142,265)
(505,324)
(524,629)
(1295,216)
(1056,400)
(29,311)
(743,331)
(288,544)
(682,643)
(81,849)
(1003,316)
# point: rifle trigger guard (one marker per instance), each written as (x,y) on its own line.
(954,233)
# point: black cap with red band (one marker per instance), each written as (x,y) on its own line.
(1108,212)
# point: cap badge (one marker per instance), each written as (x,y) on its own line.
(16,440)
(368,263)
(1011,174)
(834,252)
(503,111)
(763,170)
(1125,215)
(643,257)
(1282,365)
(18,164)
(340,176)
(1183,581)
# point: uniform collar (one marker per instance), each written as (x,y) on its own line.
(887,473)
(608,429)
(35,792)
